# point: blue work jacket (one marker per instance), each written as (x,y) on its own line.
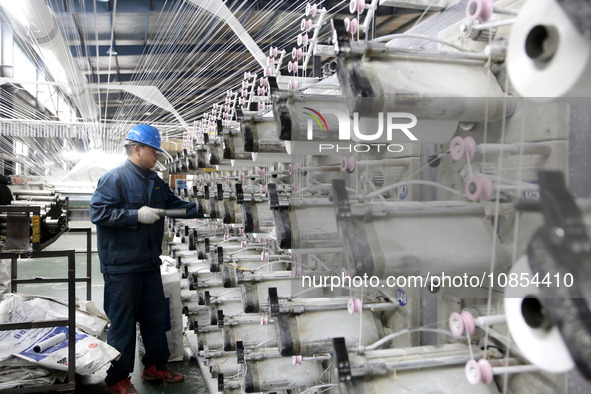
(124,245)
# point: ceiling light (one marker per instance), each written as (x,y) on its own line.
(112,52)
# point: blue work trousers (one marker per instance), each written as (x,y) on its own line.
(131,298)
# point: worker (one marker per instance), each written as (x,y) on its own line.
(127,208)
(5,193)
(5,199)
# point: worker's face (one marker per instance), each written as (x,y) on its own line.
(147,156)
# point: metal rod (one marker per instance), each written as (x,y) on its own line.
(71,316)
(527,148)
(489,25)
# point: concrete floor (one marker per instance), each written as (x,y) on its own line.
(57,267)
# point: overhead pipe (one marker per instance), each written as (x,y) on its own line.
(36,22)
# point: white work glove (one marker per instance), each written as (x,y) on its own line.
(147,215)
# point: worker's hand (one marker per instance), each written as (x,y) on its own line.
(147,215)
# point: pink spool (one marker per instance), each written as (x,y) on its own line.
(262,106)
(487,187)
(215,106)
(468,320)
(226,237)
(229,93)
(241,176)
(264,321)
(354,306)
(262,172)
(348,164)
(302,39)
(486,371)
(244,92)
(351,306)
(472,371)
(244,84)
(473,188)
(358,306)
(311,10)
(297,188)
(296,273)
(470,146)
(296,360)
(306,24)
(261,240)
(353,26)
(479,9)
(293,85)
(243,244)
(242,232)
(456,325)
(293,169)
(479,372)
(460,147)
(456,148)
(268,71)
(224,122)
(264,256)
(273,51)
(264,189)
(265,82)
(297,53)
(356,6)
(459,324)
(345,273)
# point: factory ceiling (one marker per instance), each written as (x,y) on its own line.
(190,55)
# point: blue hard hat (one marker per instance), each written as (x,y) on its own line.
(144,134)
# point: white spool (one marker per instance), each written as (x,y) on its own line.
(50,342)
(544,348)
(563,69)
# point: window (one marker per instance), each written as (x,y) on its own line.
(20,148)
(25,70)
